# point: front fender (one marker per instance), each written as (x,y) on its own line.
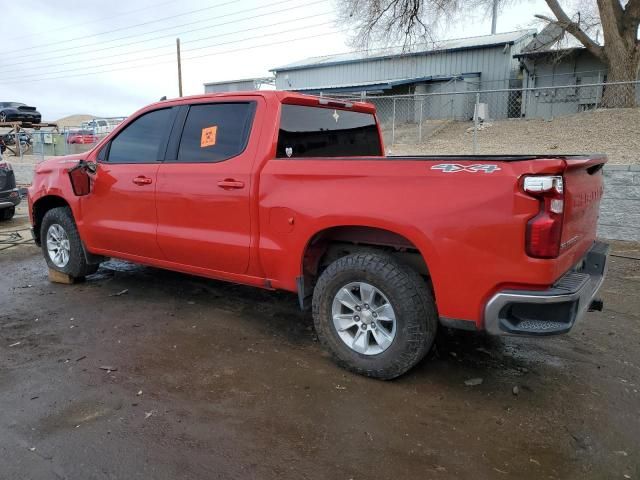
(51,179)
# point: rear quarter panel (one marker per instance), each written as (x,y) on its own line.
(469,226)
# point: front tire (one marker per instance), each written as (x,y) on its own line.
(375,315)
(61,244)
(7,213)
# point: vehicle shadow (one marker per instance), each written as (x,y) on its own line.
(279,312)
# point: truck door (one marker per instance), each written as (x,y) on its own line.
(204,185)
(119,214)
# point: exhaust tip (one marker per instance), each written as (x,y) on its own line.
(596,305)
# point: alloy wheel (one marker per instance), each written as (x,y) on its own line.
(364,318)
(58,245)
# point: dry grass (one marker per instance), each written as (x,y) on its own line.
(73,120)
(615,132)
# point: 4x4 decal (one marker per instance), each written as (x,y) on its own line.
(456,167)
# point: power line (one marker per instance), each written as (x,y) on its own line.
(128,12)
(224,52)
(165,54)
(171,35)
(171,45)
(66,49)
(132,26)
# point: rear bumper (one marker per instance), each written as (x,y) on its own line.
(552,311)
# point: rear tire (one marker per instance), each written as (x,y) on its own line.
(61,244)
(374,283)
(7,213)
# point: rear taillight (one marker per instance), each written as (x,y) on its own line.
(544,231)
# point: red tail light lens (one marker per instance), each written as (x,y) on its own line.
(544,231)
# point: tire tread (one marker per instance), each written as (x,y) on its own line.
(418,308)
(77,267)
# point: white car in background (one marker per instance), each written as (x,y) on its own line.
(97,126)
(102,126)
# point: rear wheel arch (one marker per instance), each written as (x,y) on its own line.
(332,243)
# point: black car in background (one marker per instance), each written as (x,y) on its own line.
(9,194)
(18,112)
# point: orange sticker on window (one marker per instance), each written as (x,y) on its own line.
(208,137)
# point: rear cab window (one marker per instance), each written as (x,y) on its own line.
(326,132)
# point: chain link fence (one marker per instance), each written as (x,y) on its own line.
(47,141)
(409,119)
(412,119)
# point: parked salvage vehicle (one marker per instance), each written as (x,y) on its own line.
(286,191)
(9,139)
(82,137)
(18,112)
(9,194)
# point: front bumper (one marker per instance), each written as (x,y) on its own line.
(552,311)
(9,198)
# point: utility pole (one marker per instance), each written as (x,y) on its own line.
(494,17)
(179,68)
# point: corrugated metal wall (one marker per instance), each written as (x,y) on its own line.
(495,65)
(244,85)
(578,68)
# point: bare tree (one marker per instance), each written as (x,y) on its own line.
(411,21)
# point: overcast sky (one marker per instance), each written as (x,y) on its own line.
(111,58)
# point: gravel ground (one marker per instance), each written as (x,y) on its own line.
(615,132)
(141,373)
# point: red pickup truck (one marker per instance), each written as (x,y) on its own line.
(286,191)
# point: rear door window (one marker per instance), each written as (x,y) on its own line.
(326,132)
(215,132)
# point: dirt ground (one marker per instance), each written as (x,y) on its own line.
(144,373)
(579,133)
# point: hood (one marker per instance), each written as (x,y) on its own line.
(58,163)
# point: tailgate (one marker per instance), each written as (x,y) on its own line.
(583,188)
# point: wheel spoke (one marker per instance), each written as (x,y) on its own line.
(360,341)
(385,313)
(346,298)
(383,331)
(382,338)
(367,292)
(343,321)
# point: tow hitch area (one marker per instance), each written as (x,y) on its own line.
(596,305)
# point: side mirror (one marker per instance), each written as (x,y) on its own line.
(91,167)
(80,177)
